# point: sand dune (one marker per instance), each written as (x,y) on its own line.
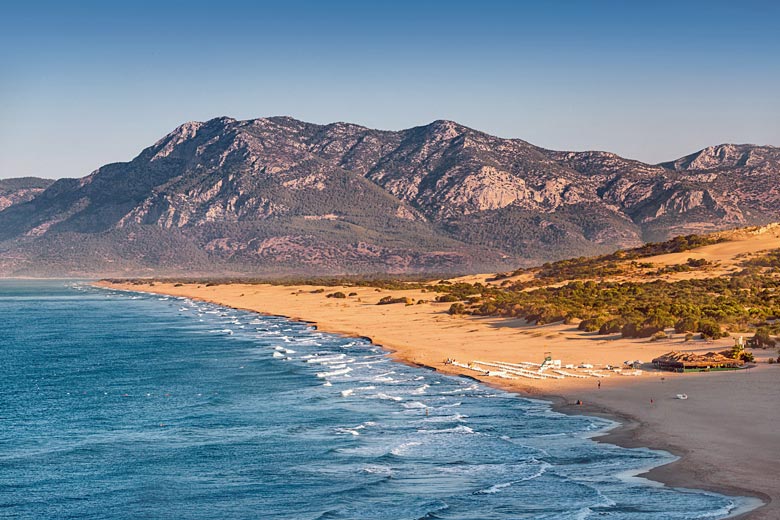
(725,257)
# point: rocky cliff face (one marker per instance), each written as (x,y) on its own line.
(279,195)
(15,191)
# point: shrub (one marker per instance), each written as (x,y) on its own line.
(387,300)
(686,324)
(447,298)
(337,294)
(457,308)
(591,324)
(762,338)
(630,330)
(658,336)
(649,331)
(318,291)
(611,327)
(353,294)
(701,262)
(710,329)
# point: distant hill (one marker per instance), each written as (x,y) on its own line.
(22,189)
(281,196)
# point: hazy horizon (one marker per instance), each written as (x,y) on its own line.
(89,84)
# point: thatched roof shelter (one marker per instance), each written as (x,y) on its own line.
(680,361)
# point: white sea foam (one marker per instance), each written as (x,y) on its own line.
(370,363)
(351,431)
(583,513)
(496,488)
(456,429)
(326,359)
(420,390)
(404,447)
(446,418)
(350,391)
(469,388)
(378,470)
(341,372)
(384,377)
(387,397)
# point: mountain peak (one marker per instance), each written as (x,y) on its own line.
(447,128)
(725,155)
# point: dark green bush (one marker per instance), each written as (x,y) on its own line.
(762,339)
(710,329)
(457,308)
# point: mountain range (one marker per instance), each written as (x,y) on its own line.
(278,196)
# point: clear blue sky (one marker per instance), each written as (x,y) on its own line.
(87,83)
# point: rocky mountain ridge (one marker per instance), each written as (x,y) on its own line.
(21,189)
(278,195)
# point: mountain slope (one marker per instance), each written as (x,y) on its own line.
(277,195)
(22,189)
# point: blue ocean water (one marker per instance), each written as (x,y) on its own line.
(120,405)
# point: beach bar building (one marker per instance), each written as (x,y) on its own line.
(690,362)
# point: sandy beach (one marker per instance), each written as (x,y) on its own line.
(725,432)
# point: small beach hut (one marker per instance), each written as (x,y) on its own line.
(689,361)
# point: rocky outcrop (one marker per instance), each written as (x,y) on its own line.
(22,189)
(728,156)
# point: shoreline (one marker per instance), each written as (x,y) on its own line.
(628,431)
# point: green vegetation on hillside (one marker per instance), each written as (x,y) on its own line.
(634,309)
(768,261)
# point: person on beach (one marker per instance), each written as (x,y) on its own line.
(599,384)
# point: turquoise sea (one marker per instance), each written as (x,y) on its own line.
(121,405)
